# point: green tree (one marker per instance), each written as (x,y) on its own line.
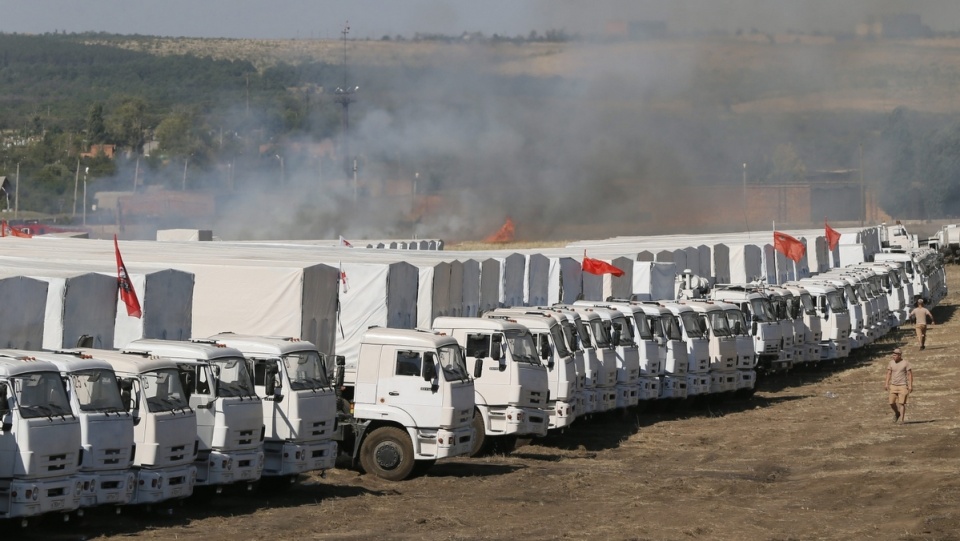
(128,122)
(96,127)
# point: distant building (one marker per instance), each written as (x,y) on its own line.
(97,150)
(894,26)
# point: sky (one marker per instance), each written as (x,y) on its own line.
(325,19)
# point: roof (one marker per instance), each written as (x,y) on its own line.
(264,345)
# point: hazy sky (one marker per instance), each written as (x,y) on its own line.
(376,18)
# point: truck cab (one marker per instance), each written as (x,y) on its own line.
(512,391)
(746,356)
(627,351)
(722,344)
(406,401)
(164,424)
(764,327)
(219,388)
(596,336)
(561,367)
(298,402)
(40,441)
(831,309)
(106,430)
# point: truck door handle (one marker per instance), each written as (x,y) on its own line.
(394,393)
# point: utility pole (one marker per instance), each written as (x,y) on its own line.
(344,96)
(16,195)
(183,186)
(76,182)
(746,221)
(863,191)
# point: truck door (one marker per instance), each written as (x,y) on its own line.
(409,389)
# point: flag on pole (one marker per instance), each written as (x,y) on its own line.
(595,266)
(345,242)
(833,236)
(127,294)
(789,246)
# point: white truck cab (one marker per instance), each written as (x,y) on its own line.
(106,430)
(746,356)
(298,402)
(764,327)
(219,388)
(512,391)
(831,308)
(722,345)
(39,441)
(164,424)
(627,351)
(406,401)
(596,335)
(561,366)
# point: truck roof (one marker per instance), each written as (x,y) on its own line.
(531,321)
(65,362)
(129,363)
(18,365)
(702,306)
(446,322)
(182,349)
(264,345)
(407,337)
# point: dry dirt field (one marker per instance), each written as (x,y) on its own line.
(814,455)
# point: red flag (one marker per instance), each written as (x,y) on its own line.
(342,278)
(833,236)
(595,266)
(127,294)
(345,242)
(789,246)
(504,235)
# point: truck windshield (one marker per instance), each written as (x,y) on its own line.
(163,390)
(672,325)
(234,377)
(600,336)
(626,331)
(691,324)
(573,340)
(643,327)
(41,394)
(305,370)
(97,390)
(762,310)
(522,349)
(835,301)
(585,340)
(557,333)
(736,321)
(452,363)
(806,300)
(718,323)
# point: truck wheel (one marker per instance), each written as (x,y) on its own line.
(387,453)
(480,440)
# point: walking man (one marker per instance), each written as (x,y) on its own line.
(921,318)
(899,383)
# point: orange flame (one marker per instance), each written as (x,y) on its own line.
(504,235)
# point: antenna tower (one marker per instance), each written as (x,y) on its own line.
(344,95)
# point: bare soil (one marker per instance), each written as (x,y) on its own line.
(813,455)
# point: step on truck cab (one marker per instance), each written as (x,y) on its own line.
(219,388)
(164,424)
(406,401)
(39,441)
(605,375)
(298,401)
(106,430)
(561,366)
(512,392)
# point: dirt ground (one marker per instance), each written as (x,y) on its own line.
(814,455)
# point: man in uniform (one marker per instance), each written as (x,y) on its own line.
(921,317)
(899,383)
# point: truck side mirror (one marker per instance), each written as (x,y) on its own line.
(429,368)
(270,384)
(5,409)
(616,334)
(478,368)
(544,347)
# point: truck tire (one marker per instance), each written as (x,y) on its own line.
(481,443)
(388,454)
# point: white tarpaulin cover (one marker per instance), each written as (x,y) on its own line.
(658,280)
(78,303)
(744,263)
(720,264)
(566,282)
(538,280)
(23,304)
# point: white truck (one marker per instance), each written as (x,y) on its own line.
(627,351)
(802,308)
(298,399)
(594,335)
(578,339)
(39,441)
(722,345)
(405,401)
(746,356)
(106,430)
(219,388)
(561,366)
(164,424)
(831,309)
(512,390)
(678,378)
(764,327)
